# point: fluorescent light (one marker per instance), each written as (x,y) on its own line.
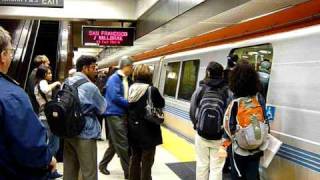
(251,53)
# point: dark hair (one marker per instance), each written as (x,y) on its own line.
(244,80)
(214,70)
(232,60)
(42,70)
(85,60)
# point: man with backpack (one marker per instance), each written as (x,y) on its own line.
(208,104)
(80,152)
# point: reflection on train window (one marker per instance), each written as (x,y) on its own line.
(260,57)
(171,79)
(188,80)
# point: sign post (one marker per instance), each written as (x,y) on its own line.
(107,36)
(33,3)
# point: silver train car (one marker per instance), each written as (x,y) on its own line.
(293,92)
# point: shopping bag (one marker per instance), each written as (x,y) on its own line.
(271,151)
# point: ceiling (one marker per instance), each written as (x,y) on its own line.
(197,21)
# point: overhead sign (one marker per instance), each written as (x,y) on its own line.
(33,3)
(107,36)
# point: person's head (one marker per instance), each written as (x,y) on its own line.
(43,73)
(6,50)
(232,61)
(214,70)
(244,80)
(88,66)
(265,66)
(41,59)
(142,73)
(125,64)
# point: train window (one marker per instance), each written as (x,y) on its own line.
(188,79)
(172,74)
(260,57)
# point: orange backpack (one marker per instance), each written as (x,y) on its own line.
(252,129)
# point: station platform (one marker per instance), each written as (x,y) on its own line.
(174,159)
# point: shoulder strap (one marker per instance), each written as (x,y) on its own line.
(149,97)
(41,93)
(79,82)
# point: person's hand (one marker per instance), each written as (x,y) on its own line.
(53,165)
(222,152)
(57,84)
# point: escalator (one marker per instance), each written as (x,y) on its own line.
(31,38)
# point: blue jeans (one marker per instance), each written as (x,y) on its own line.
(53,140)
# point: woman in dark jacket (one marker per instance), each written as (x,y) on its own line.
(143,135)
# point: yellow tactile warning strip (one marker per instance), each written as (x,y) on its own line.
(179,147)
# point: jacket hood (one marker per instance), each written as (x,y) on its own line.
(213,82)
(136,91)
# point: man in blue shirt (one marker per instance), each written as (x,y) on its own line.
(117,90)
(24,153)
(81,152)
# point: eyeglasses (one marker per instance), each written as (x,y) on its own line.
(10,50)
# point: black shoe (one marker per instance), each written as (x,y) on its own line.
(126,176)
(104,171)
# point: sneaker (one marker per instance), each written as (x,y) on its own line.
(55,175)
(104,171)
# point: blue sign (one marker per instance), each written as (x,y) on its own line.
(270,112)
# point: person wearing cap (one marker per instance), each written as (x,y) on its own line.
(117,90)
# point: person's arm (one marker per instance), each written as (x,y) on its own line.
(115,94)
(100,102)
(157,99)
(24,132)
(46,88)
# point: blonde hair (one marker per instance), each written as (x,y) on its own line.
(5,39)
(40,59)
(143,73)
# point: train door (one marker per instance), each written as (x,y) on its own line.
(260,56)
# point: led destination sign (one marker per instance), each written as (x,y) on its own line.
(33,3)
(104,36)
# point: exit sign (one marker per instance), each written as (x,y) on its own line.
(33,3)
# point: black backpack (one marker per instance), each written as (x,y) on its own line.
(64,112)
(211,112)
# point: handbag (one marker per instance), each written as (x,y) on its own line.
(153,114)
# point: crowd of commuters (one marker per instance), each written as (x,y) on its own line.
(225,103)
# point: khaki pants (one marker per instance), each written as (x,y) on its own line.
(80,154)
(208,159)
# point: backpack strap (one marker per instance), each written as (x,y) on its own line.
(149,97)
(79,82)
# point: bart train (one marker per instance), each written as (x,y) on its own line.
(293,93)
